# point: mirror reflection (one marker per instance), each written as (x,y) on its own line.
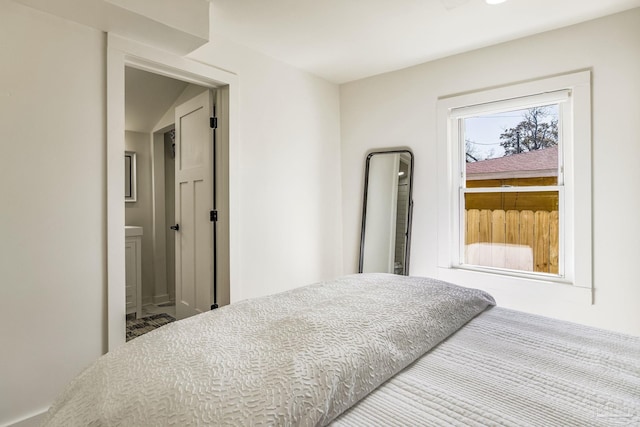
(130,176)
(386,212)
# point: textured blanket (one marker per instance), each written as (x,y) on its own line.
(297,358)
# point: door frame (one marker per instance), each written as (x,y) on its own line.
(123,53)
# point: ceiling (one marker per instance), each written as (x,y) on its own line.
(147,97)
(345,40)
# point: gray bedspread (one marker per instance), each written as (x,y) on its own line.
(298,358)
(507,368)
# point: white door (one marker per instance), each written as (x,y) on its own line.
(194,202)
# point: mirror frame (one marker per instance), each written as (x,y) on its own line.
(130,173)
(409,210)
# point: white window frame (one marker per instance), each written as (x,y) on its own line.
(573,93)
(456,116)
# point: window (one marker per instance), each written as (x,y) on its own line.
(515,164)
(511,186)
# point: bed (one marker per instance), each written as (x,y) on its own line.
(362,350)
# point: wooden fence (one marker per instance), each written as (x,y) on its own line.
(521,240)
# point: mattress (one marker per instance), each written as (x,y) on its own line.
(508,368)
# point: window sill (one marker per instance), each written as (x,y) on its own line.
(516,292)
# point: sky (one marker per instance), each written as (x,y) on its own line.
(485,130)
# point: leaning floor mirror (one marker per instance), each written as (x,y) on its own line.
(386,212)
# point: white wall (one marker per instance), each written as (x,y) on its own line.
(405,101)
(52,219)
(191,18)
(140,212)
(53,188)
(289,172)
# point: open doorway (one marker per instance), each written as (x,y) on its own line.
(168,119)
(122,53)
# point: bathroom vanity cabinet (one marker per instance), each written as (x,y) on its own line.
(133,267)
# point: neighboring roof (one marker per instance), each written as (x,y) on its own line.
(530,164)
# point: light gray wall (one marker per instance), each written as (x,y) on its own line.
(406,101)
(53,187)
(53,214)
(140,212)
(290,225)
(192,19)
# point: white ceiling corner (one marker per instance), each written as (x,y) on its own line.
(348,40)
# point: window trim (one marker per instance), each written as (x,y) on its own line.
(576,174)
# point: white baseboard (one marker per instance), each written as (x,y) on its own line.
(30,421)
(161,299)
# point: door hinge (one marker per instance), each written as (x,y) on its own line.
(213,122)
(213,216)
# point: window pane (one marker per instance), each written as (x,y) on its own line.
(512,148)
(515,239)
